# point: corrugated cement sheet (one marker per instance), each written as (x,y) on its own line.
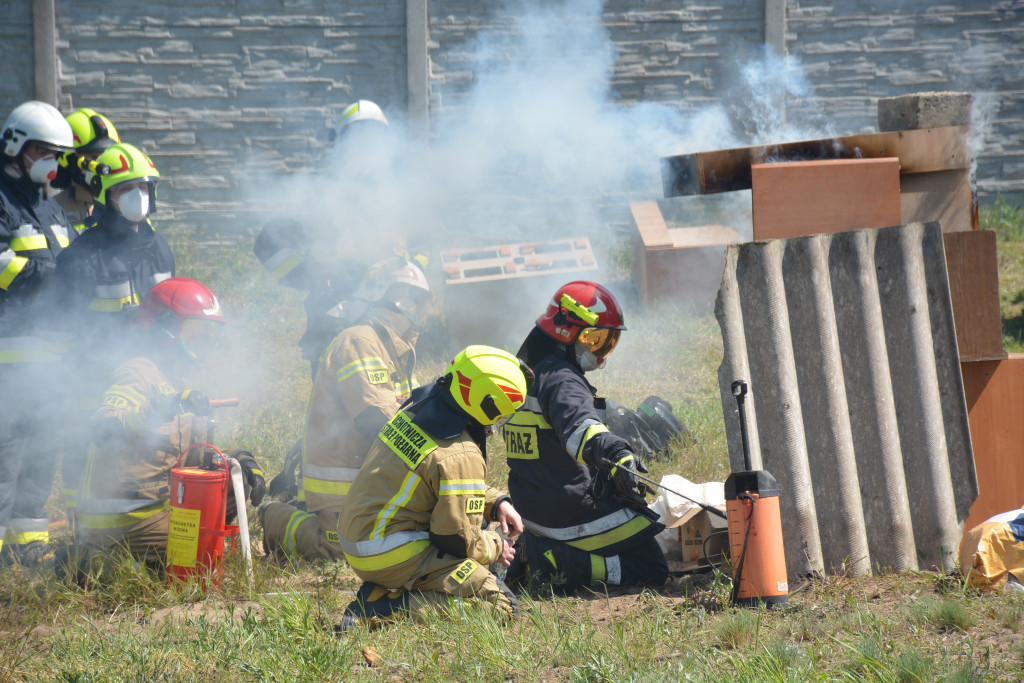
(856,402)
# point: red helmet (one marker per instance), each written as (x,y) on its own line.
(182,298)
(579,305)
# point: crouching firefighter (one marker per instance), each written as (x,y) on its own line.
(361,380)
(144,423)
(413,527)
(584,510)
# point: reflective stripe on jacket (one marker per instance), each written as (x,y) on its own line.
(102,278)
(366,366)
(553,444)
(127,475)
(410,499)
(33,231)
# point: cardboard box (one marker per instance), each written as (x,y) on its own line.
(695,529)
(680,265)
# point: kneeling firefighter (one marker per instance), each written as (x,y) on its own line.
(145,422)
(413,526)
(361,379)
(585,515)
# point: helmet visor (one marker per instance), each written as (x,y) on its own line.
(600,341)
(198,336)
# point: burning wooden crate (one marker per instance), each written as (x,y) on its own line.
(928,134)
(493,295)
(934,166)
(798,198)
(934,185)
(680,265)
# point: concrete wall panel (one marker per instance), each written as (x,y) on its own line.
(856,401)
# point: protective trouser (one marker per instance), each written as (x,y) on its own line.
(29,453)
(145,540)
(434,577)
(75,454)
(297,533)
(542,560)
(94,554)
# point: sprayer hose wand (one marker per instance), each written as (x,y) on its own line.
(711,509)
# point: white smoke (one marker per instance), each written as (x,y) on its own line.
(539,148)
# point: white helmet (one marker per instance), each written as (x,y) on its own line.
(392,271)
(363,110)
(395,282)
(37,121)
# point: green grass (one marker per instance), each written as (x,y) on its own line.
(915,626)
(1008,222)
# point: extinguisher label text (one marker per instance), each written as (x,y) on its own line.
(183,537)
(409,442)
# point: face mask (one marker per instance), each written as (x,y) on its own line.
(134,205)
(587,360)
(43,170)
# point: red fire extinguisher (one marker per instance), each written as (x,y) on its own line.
(198,526)
(755,529)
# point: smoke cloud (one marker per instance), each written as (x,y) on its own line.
(538,149)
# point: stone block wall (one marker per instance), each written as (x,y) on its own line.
(209,87)
(856,51)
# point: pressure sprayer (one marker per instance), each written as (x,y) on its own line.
(198,518)
(755,529)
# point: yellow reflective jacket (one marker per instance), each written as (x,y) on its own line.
(366,365)
(127,473)
(416,494)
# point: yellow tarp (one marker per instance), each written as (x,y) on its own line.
(994,549)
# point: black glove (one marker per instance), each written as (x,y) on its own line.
(284,486)
(623,476)
(188,401)
(253,478)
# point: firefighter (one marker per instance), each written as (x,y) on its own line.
(33,231)
(146,420)
(585,514)
(414,527)
(361,379)
(98,284)
(93,134)
(101,279)
(311,256)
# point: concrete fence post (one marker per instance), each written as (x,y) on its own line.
(417,33)
(44,42)
(775,25)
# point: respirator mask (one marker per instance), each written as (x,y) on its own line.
(134,204)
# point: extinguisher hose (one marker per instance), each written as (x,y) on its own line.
(243,515)
(743,554)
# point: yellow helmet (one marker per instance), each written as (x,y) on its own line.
(121,163)
(93,131)
(487,383)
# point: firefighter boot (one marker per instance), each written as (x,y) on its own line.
(373,605)
(36,555)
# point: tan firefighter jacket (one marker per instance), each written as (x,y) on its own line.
(127,475)
(416,494)
(366,365)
